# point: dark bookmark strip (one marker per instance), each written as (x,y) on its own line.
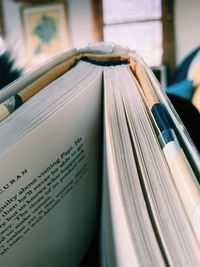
(105,63)
(160,117)
(18,101)
(162,122)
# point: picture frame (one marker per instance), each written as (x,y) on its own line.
(45,29)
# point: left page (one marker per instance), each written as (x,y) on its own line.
(50,173)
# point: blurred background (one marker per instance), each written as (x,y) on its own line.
(165,33)
(162,31)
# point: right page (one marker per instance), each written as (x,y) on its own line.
(134,142)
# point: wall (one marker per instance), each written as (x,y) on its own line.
(80,21)
(187,27)
(12,24)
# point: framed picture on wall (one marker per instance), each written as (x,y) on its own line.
(45,30)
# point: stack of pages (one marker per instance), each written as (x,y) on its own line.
(91,139)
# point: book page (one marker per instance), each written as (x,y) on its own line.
(49,186)
(116,245)
(140,177)
(45,103)
(134,241)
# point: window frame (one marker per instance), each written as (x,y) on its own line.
(167,20)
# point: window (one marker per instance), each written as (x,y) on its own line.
(136,24)
(143,25)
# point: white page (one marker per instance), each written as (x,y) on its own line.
(49,191)
(133,233)
(46,100)
(165,208)
(116,245)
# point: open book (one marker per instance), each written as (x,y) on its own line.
(90,139)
